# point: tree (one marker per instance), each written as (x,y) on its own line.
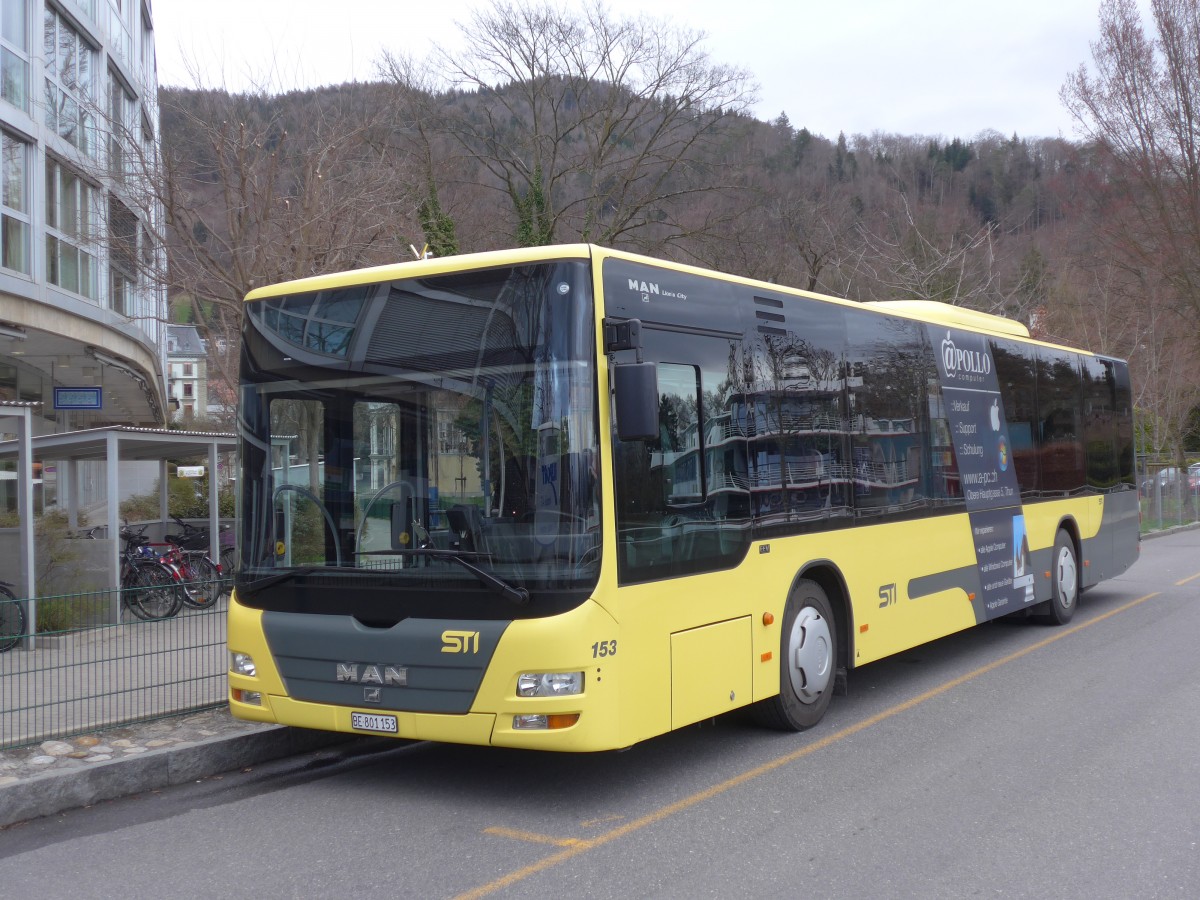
(928,257)
(590,126)
(254,190)
(1141,108)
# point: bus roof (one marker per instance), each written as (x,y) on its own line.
(956,316)
(421,268)
(926,310)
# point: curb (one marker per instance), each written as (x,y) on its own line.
(1172,529)
(54,792)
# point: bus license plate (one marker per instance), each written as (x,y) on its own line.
(373,722)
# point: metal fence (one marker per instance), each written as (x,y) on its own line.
(1170,494)
(90,675)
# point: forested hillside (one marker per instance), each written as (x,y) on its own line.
(651,148)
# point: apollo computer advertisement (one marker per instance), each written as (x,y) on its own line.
(979,433)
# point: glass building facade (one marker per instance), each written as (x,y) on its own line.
(80,306)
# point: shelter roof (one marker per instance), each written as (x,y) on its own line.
(132,443)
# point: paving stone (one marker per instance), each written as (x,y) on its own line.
(34,782)
(122,742)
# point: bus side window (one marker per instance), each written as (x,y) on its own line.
(661,479)
(681,499)
(890,366)
(1017,375)
(1100,423)
(1061,454)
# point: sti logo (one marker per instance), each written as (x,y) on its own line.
(460,641)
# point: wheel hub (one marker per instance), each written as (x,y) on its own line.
(810,654)
(1068,578)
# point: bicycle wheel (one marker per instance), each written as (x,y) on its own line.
(12,620)
(192,589)
(150,591)
(205,586)
(228,562)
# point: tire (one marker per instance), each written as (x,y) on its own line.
(228,562)
(12,620)
(1064,584)
(808,662)
(151,591)
(204,585)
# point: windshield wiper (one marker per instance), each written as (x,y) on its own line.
(518,595)
(280,577)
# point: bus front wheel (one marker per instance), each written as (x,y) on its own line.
(808,662)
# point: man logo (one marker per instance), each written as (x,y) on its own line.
(372,695)
(357,673)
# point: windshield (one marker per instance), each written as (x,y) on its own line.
(421,447)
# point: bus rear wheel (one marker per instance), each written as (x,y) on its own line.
(808,662)
(1064,584)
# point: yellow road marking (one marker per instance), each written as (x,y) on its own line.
(579,847)
(1186,580)
(592,823)
(532,836)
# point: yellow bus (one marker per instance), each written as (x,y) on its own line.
(569,498)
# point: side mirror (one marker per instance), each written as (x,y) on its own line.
(636,388)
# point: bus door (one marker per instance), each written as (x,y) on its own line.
(682,499)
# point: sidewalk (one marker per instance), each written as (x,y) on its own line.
(58,775)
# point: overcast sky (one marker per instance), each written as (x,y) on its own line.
(928,67)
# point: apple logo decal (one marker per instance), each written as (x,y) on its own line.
(995,415)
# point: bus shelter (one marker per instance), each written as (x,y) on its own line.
(112,445)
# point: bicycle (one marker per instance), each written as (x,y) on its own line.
(201,575)
(12,618)
(149,586)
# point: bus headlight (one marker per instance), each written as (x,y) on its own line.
(544,723)
(549,684)
(242,664)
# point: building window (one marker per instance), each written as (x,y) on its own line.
(14,221)
(87,7)
(72,217)
(188,389)
(120,40)
(70,73)
(14,53)
(122,121)
(187,370)
(122,260)
(149,65)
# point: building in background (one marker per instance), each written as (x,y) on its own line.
(81,313)
(187,373)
